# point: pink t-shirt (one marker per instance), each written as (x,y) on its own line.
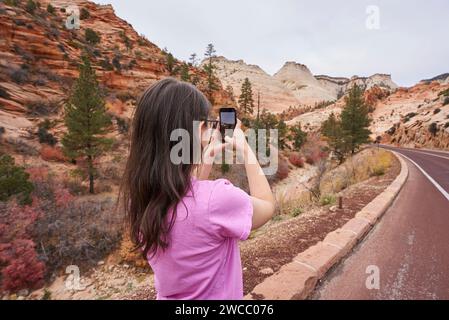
(203,258)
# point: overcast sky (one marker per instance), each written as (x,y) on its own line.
(330,37)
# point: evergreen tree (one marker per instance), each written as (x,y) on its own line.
(86,121)
(282,133)
(209,68)
(297,136)
(193,60)
(355,119)
(336,138)
(14,181)
(246,101)
(91,36)
(185,75)
(267,121)
(170,63)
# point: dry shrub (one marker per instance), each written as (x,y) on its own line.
(281,200)
(49,153)
(129,255)
(79,233)
(301,201)
(365,164)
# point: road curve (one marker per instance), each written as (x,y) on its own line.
(409,248)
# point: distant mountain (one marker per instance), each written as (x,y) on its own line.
(293,85)
(306,88)
(274,95)
(444,77)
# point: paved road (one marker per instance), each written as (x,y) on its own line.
(409,247)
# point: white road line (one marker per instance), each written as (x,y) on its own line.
(436,184)
(422,152)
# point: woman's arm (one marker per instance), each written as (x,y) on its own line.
(262,198)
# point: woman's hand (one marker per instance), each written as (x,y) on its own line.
(238,140)
(214,147)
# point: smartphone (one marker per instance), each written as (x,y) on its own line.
(228,121)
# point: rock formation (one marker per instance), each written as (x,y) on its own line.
(306,88)
(293,85)
(274,95)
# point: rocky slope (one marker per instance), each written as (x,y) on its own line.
(415,117)
(412,117)
(39,60)
(293,85)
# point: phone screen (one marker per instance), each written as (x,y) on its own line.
(228,121)
(228,118)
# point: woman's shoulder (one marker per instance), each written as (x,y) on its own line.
(222,192)
(213,185)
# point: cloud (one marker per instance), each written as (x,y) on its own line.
(330,37)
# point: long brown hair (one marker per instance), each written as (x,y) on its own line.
(152,185)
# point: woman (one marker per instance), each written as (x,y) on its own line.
(188,227)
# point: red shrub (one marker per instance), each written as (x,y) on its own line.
(18,221)
(20,267)
(38,174)
(283,169)
(63,197)
(296,160)
(23,270)
(49,153)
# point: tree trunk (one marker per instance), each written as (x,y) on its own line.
(90,170)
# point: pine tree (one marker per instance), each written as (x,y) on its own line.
(209,68)
(193,60)
(297,136)
(86,121)
(282,134)
(185,75)
(170,63)
(246,101)
(336,138)
(14,181)
(355,119)
(267,121)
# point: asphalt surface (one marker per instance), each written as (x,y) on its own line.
(406,255)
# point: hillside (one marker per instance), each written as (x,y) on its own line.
(414,117)
(39,60)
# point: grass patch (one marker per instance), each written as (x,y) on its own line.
(328,200)
(296,212)
(362,166)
